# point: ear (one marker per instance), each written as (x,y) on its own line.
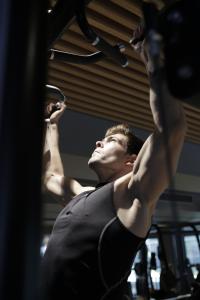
(130,160)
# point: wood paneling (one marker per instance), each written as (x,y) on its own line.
(105,89)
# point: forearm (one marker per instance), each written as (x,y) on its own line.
(46,153)
(167,111)
(53,173)
(55,182)
(55,166)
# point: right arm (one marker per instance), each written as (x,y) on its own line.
(54,181)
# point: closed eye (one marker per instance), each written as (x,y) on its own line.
(112,139)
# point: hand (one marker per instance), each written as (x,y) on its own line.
(140,45)
(138,38)
(54,111)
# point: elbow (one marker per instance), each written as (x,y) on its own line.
(53,184)
(179,126)
(176,126)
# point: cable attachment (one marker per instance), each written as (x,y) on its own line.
(54,92)
(114,52)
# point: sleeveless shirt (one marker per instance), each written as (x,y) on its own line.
(90,252)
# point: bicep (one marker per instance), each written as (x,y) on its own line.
(152,171)
(62,188)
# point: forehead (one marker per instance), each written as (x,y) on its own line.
(119,136)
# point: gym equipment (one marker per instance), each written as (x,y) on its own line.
(105,49)
(176,27)
(54,54)
(142,275)
(167,278)
(54,92)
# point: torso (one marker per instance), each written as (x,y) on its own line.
(90,252)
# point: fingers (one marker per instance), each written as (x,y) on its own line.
(53,111)
(59,109)
(138,37)
(52,107)
(61,105)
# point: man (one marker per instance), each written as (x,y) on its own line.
(96,236)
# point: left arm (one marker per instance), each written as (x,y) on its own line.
(151,173)
(150,176)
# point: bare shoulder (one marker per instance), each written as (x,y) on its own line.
(86,188)
(122,186)
(62,188)
(75,187)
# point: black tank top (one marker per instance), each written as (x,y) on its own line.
(90,252)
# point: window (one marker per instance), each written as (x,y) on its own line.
(152,246)
(44,244)
(132,276)
(192,252)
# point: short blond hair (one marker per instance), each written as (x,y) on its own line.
(134,144)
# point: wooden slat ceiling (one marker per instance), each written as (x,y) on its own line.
(105,89)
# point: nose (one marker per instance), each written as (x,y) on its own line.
(99,144)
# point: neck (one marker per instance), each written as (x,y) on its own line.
(110,177)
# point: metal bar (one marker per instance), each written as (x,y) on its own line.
(75,58)
(54,92)
(161,243)
(22,87)
(114,52)
(61,17)
(196,234)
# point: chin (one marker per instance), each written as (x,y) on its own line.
(92,163)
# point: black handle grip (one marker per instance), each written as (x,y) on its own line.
(114,52)
(54,54)
(55,92)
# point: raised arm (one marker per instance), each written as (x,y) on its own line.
(152,170)
(54,181)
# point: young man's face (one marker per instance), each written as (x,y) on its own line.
(110,153)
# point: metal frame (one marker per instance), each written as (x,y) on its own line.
(61,17)
(22,87)
(23,71)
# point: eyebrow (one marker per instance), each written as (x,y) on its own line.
(113,136)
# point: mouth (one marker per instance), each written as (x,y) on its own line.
(95,152)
